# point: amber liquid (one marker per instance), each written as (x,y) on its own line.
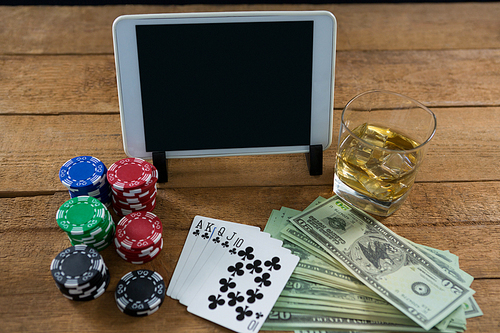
(381,174)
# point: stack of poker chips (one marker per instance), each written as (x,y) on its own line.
(86,221)
(133,186)
(86,176)
(80,273)
(140,293)
(139,237)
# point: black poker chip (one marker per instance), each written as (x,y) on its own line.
(80,273)
(140,293)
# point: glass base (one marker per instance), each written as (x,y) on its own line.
(365,203)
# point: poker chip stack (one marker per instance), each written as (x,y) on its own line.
(133,186)
(139,237)
(86,221)
(80,273)
(140,293)
(86,176)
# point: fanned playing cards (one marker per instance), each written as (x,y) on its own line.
(230,273)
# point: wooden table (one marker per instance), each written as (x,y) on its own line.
(58,99)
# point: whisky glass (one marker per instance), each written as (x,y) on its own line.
(382,141)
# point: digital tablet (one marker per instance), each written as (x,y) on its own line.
(230,83)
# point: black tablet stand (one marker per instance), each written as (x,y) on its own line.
(314,162)
(160,163)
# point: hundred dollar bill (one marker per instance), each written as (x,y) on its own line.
(384,261)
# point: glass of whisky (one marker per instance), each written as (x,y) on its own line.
(382,140)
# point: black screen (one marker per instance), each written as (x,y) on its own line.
(225,85)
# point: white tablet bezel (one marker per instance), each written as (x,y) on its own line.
(129,92)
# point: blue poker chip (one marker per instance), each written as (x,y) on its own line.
(82,171)
(102,185)
(101,193)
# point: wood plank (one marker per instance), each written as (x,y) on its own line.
(24,304)
(435,78)
(58,84)
(478,254)
(71,84)
(464,149)
(429,205)
(50,311)
(436,215)
(84,30)
(58,100)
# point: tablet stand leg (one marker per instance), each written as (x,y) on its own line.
(160,163)
(315,160)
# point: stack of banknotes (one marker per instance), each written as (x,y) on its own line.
(355,274)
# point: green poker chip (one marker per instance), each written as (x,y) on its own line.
(99,245)
(86,221)
(81,215)
(100,232)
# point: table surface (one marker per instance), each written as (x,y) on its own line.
(58,99)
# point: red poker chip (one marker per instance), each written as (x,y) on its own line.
(125,196)
(121,212)
(140,190)
(139,230)
(129,174)
(124,212)
(139,256)
(151,184)
(135,207)
(132,191)
(147,196)
(142,253)
(139,261)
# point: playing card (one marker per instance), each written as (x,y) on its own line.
(202,230)
(186,250)
(243,287)
(226,234)
(208,263)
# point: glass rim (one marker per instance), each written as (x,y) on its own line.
(422,106)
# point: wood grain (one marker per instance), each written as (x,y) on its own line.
(87,30)
(50,311)
(87,84)
(58,100)
(429,217)
(32,305)
(52,140)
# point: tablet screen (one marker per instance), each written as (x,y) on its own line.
(225,85)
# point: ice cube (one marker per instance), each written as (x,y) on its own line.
(378,189)
(357,153)
(374,136)
(397,165)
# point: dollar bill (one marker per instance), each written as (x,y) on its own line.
(324,309)
(449,262)
(383,261)
(311,292)
(311,267)
(278,320)
(278,220)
